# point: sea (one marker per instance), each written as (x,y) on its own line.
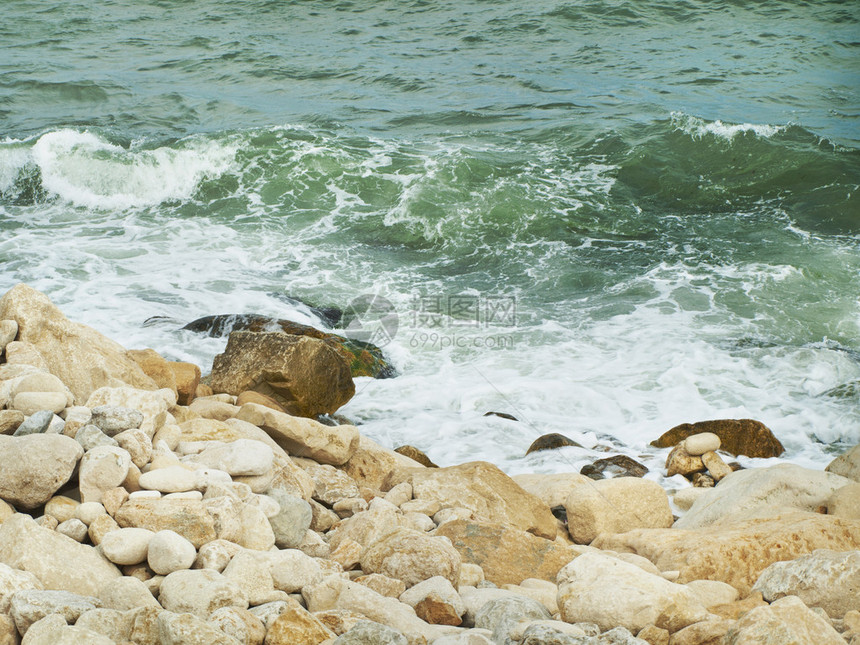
(602,218)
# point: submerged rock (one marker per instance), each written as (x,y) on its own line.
(737,436)
(617,466)
(551,442)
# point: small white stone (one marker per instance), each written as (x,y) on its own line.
(89,511)
(126,546)
(173,479)
(169,552)
(699,444)
(205,477)
(74,529)
(243,457)
(145,494)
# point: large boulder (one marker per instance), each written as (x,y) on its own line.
(304,375)
(737,436)
(507,555)
(847,464)
(614,506)
(826,579)
(606,591)
(485,490)
(759,491)
(81,357)
(736,553)
(56,560)
(786,622)
(33,467)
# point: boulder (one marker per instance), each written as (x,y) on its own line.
(292,520)
(756,491)
(485,490)
(168,552)
(823,578)
(10,420)
(102,468)
(617,466)
(127,546)
(187,517)
(505,554)
(736,553)
(153,405)
(551,442)
(737,436)
(412,557)
(615,506)
(786,622)
(845,502)
(78,355)
(847,464)
(33,467)
(304,375)
(155,366)
(243,457)
(501,615)
(240,624)
(303,437)
(59,562)
(609,592)
(297,626)
(386,586)
(8,331)
(187,378)
(435,601)
(199,592)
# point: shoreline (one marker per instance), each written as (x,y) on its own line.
(160,509)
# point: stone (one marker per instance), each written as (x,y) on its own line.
(155,366)
(785,622)
(187,517)
(505,554)
(706,632)
(747,493)
(76,416)
(37,422)
(701,480)
(400,494)
(347,553)
(713,592)
(411,556)
(168,552)
(113,624)
(699,444)
(102,468)
(303,437)
(297,626)
(240,624)
(415,455)
(553,489)
(292,521)
(153,405)
(188,629)
(331,485)
(29,605)
(10,420)
(216,555)
(88,512)
(384,585)
(845,502)
(210,408)
(544,591)
(100,527)
(268,612)
(606,591)
(615,506)
(187,378)
(435,601)
(336,593)
(79,356)
(32,402)
(684,498)
(113,419)
(127,545)
(11,582)
(61,507)
(367,632)
(485,490)
(34,467)
(253,576)
(736,553)
(199,592)
(249,396)
(304,375)
(546,632)
(8,332)
(41,382)
(551,442)
(823,578)
(242,457)
(91,437)
(20,353)
(371,464)
(653,635)
(717,468)
(680,462)
(74,529)
(172,479)
(503,614)
(126,593)
(53,630)
(137,444)
(847,464)
(292,570)
(617,466)
(737,436)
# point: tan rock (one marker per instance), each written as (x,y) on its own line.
(614,506)
(33,467)
(608,592)
(61,507)
(114,498)
(757,491)
(845,502)
(505,554)
(304,437)
(102,468)
(699,444)
(187,378)
(331,485)
(339,621)
(304,375)
(81,357)
(32,402)
(713,592)
(411,556)
(383,585)
(717,468)
(653,635)
(737,436)
(253,576)
(187,517)
(188,629)
(101,527)
(20,353)
(436,602)
(785,622)
(113,624)
(152,404)
(552,490)
(59,562)
(126,593)
(199,592)
(155,366)
(736,553)
(297,626)
(291,569)
(684,498)
(10,420)
(371,464)
(707,632)
(208,408)
(240,624)
(249,396)
(847,464)
(12,581)
(680,462)
(488,492)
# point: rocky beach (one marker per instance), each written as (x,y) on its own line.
(141,503)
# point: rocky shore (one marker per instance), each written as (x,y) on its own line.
(139,505)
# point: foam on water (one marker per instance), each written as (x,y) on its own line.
(698,128)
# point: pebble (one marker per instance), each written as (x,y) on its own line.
(30,402)
(113,419)
(36,423)
(73,528)
(127,546)
(699,444)
(102,468)
(173,479)
(90,437)
(89,511)
(169,552)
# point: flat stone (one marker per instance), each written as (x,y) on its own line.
(37,422)
(32,402)
(113,419)
(617,466)
(33,467)
(173,479)
(243,457)
(189,518)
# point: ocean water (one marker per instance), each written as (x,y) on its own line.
(604,218)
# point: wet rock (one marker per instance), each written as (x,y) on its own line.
(737,436)
(34,467)
(416,455)
(717,468)
(617,466)
(550,442)
(304,375)
(701,480)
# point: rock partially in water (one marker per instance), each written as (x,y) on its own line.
(550,442)
(416,455)
(617,466)
(737,436)
(503,415)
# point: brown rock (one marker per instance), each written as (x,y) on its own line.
(707,632)
(654,635)
(203,389)
(680,462)
(737,436)
(304,375)
(415,455)
(382,585)
(371,464)
(488,492)
(297,626)
(701,480)
(10,420)
(551,442)
(249,396)
(736,553)
(78,355)
(339,621)
(616,465)
(437,612)
(188,517)
(155,366)
(506,555)
(187,378)
(717,468)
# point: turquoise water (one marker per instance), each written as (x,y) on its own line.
(604,218)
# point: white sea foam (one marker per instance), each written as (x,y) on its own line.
(84,169)
(698,128)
